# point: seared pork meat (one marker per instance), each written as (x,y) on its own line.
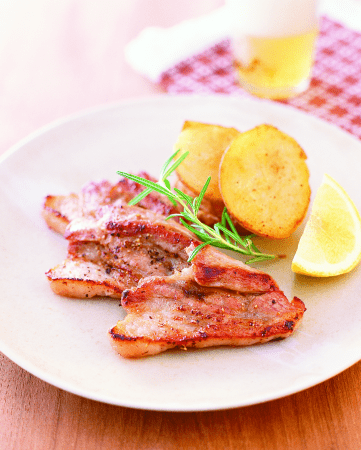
(202,306)
(114,249)
(81,278)
(134,253)
(60,210)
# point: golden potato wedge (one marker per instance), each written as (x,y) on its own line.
(264,181)
(206,144)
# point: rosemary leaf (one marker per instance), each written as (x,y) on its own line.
(140,196)
(172,168)
(166,164)
(173,215)
(201,195)
(187,198)
(232,235)
(147,183)
(196,250)
(216,229)
(229,221)
(167,184)
(201,234)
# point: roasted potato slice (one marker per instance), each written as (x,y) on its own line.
(206,144)
(264,181)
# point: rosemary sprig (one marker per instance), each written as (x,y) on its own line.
(222,235)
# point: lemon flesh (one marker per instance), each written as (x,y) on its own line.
(331,242)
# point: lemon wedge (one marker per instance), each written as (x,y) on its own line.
(331,242)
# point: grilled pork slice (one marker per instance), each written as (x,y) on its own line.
(217,301)
(117,248)
(81,278)
(60,210)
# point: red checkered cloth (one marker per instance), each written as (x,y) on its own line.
(334,93)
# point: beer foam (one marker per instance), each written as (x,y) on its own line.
(272,18)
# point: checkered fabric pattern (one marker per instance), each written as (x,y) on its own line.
(334,93)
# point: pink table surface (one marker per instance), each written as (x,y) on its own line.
(334,94)
(57,58)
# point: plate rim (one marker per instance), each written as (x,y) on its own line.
(162,97)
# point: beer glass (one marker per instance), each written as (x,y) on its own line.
(273,45)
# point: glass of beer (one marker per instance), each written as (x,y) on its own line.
(273,45)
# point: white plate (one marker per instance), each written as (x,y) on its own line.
(64,341)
